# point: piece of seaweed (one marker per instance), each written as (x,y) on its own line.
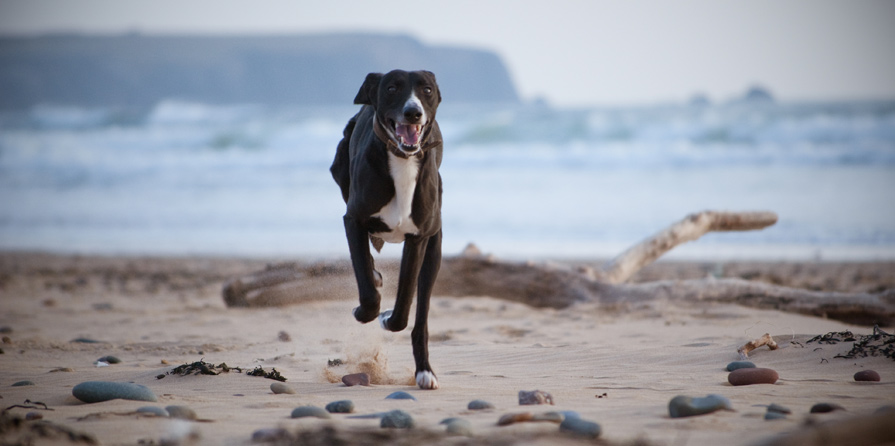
(878,343)
(273,374)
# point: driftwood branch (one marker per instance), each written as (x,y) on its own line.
(621,268)
(558,286)
(766,339)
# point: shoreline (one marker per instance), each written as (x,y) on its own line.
(617,367)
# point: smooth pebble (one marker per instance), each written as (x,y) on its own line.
(181,412)
(580,428)
(396,419)
(152,410)
(685,406)
(534,397)
(356,379)
(400,395)
(281,388)
(779,409)
(457,426)
(736,365)
(30,416)
(769,415)
(109,360)
(745,377)
(479,405)
(867,375)
(23,383)
(98,391)
(825,407)
(269,434)
(310,411)
(343,406)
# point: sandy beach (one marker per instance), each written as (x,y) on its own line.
(617,368)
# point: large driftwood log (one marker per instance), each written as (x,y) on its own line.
(557,286)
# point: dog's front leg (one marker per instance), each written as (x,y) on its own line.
(411,261)
(362,261)
(425,377)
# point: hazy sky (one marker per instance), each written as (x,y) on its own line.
(570,52)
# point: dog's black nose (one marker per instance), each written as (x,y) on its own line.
(412,114)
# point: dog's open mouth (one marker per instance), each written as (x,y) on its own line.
(408,136)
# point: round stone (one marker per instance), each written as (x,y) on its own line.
(343,406)
(269,435)
(580,428)
(825,408)
(281,388)
(152,410)
(685,406)
(534,397)
(31,383)
(457,427)
(181,412)
(400,395)
(396,419)
(867,375)
(99,391)
(736,365)
(745,377)
(310,411)
(110,360)
(479,405)
(356,379)
(779,409)
(774,416)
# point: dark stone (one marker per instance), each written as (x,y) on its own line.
(310,411)
(343,406)
(736,365)
(825,408)
(745,377)
(98,391)
(685,406)
(774,416)
(23,383)
(110,360)
(397,419)
(269,434)
(867,375)
(400,395)
(779,409)
(580,428)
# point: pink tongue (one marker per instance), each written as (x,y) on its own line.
(409,134)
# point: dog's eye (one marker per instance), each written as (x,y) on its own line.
(427,90)
(392,89)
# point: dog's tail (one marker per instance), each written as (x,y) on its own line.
(339,169)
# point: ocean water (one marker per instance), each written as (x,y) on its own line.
(521,181)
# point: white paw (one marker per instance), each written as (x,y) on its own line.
(383,318)
(426,380)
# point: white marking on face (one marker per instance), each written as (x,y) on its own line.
(396,213)
(415,101)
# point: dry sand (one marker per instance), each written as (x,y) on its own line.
(618,369)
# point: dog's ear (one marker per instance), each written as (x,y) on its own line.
(437,90)
(368,91)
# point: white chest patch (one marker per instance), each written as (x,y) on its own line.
(396,213)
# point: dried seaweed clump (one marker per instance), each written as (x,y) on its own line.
(272,374)
(200,368)
(878,343)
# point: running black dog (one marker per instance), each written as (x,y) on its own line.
(387,167)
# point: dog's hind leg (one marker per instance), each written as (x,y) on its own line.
(425,377)
(362,261)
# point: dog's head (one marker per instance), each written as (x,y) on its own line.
(405,104)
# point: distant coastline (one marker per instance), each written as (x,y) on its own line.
(312,69)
